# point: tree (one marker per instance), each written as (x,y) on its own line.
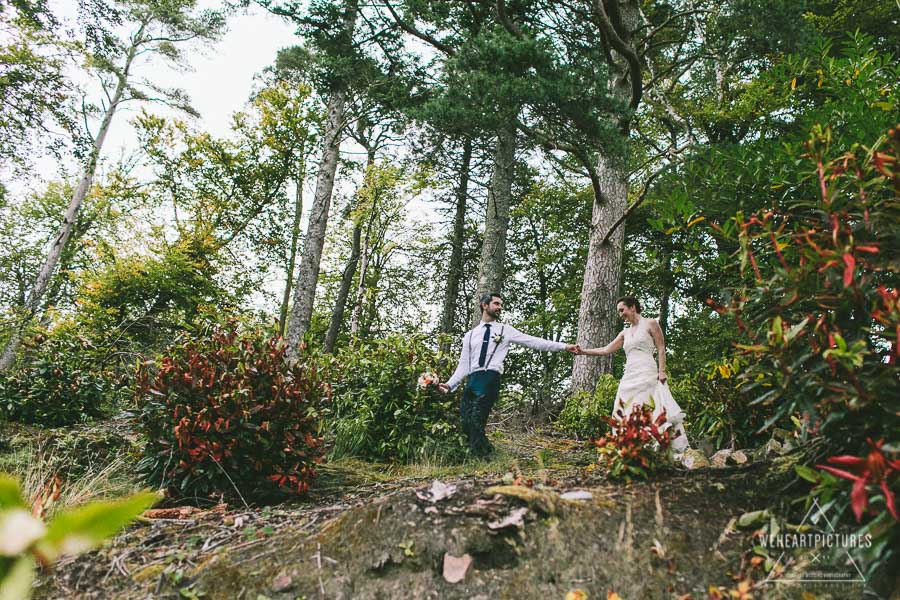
(33,85)
(157,29)
(332,34)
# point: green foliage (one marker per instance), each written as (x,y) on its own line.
(820,314)
(378,412)
(33,87)
(26,540)
(60,380)
(548,236)
(819,308)
(225,410)
(585,414)
(718,409)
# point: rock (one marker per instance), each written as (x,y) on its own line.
(705,446)
(720,458)
(456,567)
(694,459)
(577,495)
(738,457)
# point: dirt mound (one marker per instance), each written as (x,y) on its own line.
(650,540)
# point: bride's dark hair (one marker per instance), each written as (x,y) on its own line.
(630,302)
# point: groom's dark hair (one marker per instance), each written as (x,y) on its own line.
(630,302)
(486,299)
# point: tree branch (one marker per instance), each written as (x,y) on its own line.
(627,52)
(419,34)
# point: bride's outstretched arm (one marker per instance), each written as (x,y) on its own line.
(611,347)
(657,335)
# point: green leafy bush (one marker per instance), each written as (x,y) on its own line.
(26,540)
(379,412)
(60,380)
(820,308)
(718,410)
(586,414)
(227,410)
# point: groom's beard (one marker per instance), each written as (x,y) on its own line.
(493,314)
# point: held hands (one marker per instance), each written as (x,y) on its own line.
(574,348)
(443,388)
(662,377)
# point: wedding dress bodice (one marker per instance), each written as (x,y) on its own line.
(638,338)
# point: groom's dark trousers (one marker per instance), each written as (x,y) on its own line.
(478,399)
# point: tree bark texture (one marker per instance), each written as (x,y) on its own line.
(598,322)
(337,315)
(496,218)
(454,273)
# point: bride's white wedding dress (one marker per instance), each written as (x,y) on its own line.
(640,384)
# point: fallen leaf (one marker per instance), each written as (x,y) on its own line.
(456,567)
(514,519)
(282,583)
(577,595)
(437,492)
(613,596)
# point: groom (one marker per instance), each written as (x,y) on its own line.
(483,351)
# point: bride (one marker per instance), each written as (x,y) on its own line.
(643,382)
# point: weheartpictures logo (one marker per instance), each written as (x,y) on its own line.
(815,553)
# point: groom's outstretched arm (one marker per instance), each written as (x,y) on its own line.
(523,339)
(461,368)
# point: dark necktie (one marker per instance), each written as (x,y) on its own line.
(484,344)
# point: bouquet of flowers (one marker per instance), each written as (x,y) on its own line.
(427,380)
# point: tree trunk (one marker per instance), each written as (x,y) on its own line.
(337,315)
(363,270)
(58,243)
(454,274)
(292,257)
(305,291)
(340,304)
(598,322)
(496,219)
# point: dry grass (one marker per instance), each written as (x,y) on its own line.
(37,466)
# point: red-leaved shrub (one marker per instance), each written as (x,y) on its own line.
(225,410)
(635,445)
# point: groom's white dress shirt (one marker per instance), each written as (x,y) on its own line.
(496,351)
